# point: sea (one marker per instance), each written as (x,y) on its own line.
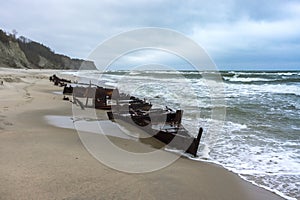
(258,134)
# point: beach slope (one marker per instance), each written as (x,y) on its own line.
(40,161)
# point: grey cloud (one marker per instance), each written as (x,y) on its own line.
(75,28)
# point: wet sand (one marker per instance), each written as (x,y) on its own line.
(41,161)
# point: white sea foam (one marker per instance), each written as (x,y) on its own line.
(295,128)
(246,80)
(241,89)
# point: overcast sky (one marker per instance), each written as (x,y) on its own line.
(237,34)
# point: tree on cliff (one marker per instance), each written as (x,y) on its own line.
(37,54)
(4,37)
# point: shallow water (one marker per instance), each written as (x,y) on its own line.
(93,126)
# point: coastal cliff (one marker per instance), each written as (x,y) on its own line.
(25,53)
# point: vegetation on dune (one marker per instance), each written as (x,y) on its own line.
(36,54)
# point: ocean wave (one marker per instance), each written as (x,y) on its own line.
(252,176)
(239,79)
(283,192)
(259,73)
(261,77)
(242,89)
(247,80)
(259,140)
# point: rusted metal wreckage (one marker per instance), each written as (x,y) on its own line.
(101,97)
(162,124)
(59,81)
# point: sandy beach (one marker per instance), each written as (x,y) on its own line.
(41,161)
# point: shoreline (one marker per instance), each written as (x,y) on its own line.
(42,161)
(183,155)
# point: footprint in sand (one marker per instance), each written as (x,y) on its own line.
(2,122)
(6,123)
(27,96)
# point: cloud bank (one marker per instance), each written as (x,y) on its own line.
(236,34)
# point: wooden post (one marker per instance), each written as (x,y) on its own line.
(87,94)
(178,117)
(86,101)
(193,148)
(197,142)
